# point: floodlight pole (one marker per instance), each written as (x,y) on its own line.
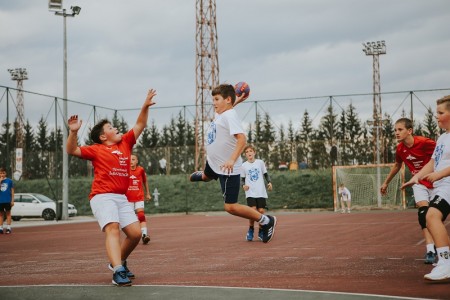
(375,49)
(65,167)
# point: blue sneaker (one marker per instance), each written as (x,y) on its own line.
(120,278)
(430,258)
(250,234)
(260,234)
(124,265)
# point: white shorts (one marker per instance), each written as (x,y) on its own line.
(421,193)
(137,205)
(112,208)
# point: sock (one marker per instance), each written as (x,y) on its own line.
(443,254)
(8,227)
(264,220)
(430,248)
(117,268)
(144,231)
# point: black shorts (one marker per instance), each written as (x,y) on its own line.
(256,202)
(442,205)
(230,184)
(5,206)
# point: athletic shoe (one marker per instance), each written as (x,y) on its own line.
(8,231)
(430,258)
(260,234)
(343,211)
(440,272)
(120,278)
(124,265)
(250,234)
(145,239)
(269,229)
(348,210)
(198,176)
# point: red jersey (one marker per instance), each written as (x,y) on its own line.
(135,191)
(111,165)
(417,156)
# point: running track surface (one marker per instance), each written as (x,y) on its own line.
(377,253)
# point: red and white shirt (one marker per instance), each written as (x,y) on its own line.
(111,165)
(416,157)
(135,191)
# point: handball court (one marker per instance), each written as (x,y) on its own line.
(314,255)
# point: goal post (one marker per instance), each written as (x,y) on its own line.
(362,182)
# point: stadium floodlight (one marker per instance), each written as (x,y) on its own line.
(75,10)
(54,5)
(18,74)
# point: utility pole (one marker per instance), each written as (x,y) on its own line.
(207,74)
(19,75)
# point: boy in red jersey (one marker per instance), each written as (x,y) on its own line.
(415,152)
(135,194)
(110,156)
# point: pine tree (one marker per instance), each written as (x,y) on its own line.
(430,129)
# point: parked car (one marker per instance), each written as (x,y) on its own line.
(33,205)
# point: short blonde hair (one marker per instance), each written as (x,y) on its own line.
(444,100)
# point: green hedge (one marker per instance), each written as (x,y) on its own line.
(304,189)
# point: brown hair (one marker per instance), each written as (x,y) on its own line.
(225,90)
(97,130)
(446,100)
(407,122)
(249,147)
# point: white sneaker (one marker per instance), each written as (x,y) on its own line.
(440,272)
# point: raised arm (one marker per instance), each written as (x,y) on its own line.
(141,121)
(72,147)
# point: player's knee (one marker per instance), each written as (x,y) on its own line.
(422,214)
(141,216)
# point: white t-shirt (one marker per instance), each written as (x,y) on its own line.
(221,142)
(254,178)
(345,194)
(441,156)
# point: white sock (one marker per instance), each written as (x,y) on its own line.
(443,254)
(264,220)
(144,231)
(430,248)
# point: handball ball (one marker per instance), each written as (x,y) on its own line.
(242,88)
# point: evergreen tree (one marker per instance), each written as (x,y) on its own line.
(430,129)
(353,126)
(42,147)
(389,139)
(303,138)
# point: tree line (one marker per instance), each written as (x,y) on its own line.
(340,138)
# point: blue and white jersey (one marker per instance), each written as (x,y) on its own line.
(441,157)
(221,142)
(254,178)
(6,187)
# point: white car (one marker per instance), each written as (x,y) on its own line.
(37,206)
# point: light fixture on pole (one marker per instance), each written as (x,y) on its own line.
(56,6)
(375,49)
(19,75)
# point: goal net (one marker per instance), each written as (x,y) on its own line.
(362,182)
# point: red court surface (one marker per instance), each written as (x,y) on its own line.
(363,252)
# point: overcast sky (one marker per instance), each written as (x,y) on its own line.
(117,50)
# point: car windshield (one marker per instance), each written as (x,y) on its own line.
(43,198)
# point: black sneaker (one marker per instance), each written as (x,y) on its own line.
(120,278)
(8,231)
(145,239)
(198,176)
(269,229)
(124,265)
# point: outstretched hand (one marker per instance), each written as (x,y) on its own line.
(149,100)
(74,123)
